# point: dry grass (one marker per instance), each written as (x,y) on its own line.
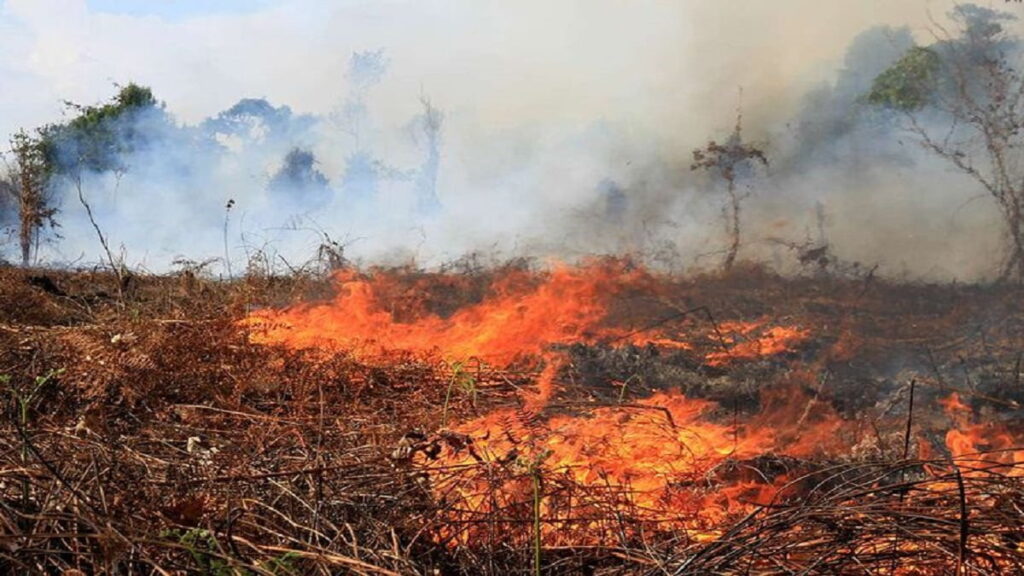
(155,439)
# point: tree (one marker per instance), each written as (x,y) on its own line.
(29,185)
(8,206)
(256,122)
(363,172)
(299,177)
(730,161)
(100,139)
(961,98)
(365,70)
(908,84)
(428,130)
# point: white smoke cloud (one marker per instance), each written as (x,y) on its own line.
(543,102)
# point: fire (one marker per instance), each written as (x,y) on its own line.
(523,315)
(755,339)
(655,459)
(666,462)
(968,439)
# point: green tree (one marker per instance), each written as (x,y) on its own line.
(97,138)
(909,84)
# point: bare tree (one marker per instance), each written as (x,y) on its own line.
(729,161)
(962,99)
(428,127)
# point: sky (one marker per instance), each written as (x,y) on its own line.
(175,9)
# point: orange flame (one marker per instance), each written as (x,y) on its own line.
(968,439)
(658,458)
(655,457)
(522,316)
(753,340)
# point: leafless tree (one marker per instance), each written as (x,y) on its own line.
(729,161)
(428,130)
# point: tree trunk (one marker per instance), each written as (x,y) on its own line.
(26,247)
(1013,219)
(1014,267)
(734,232)
(27,224)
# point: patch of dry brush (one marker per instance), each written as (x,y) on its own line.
(148,436)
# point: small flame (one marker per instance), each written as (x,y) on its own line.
(754,340)
(968,439)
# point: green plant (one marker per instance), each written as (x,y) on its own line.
(463,380)
(23,399)
(98,137)
(206,553)
(283,564)
(536,471)
(201,544)
(909,83)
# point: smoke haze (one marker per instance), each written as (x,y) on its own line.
(567,130)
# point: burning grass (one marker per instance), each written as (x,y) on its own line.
(590,420)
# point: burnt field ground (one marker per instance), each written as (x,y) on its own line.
(595,420)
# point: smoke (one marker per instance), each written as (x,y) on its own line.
(564,130)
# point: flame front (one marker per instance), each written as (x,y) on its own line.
(523,314)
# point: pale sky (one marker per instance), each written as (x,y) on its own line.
(173,9)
